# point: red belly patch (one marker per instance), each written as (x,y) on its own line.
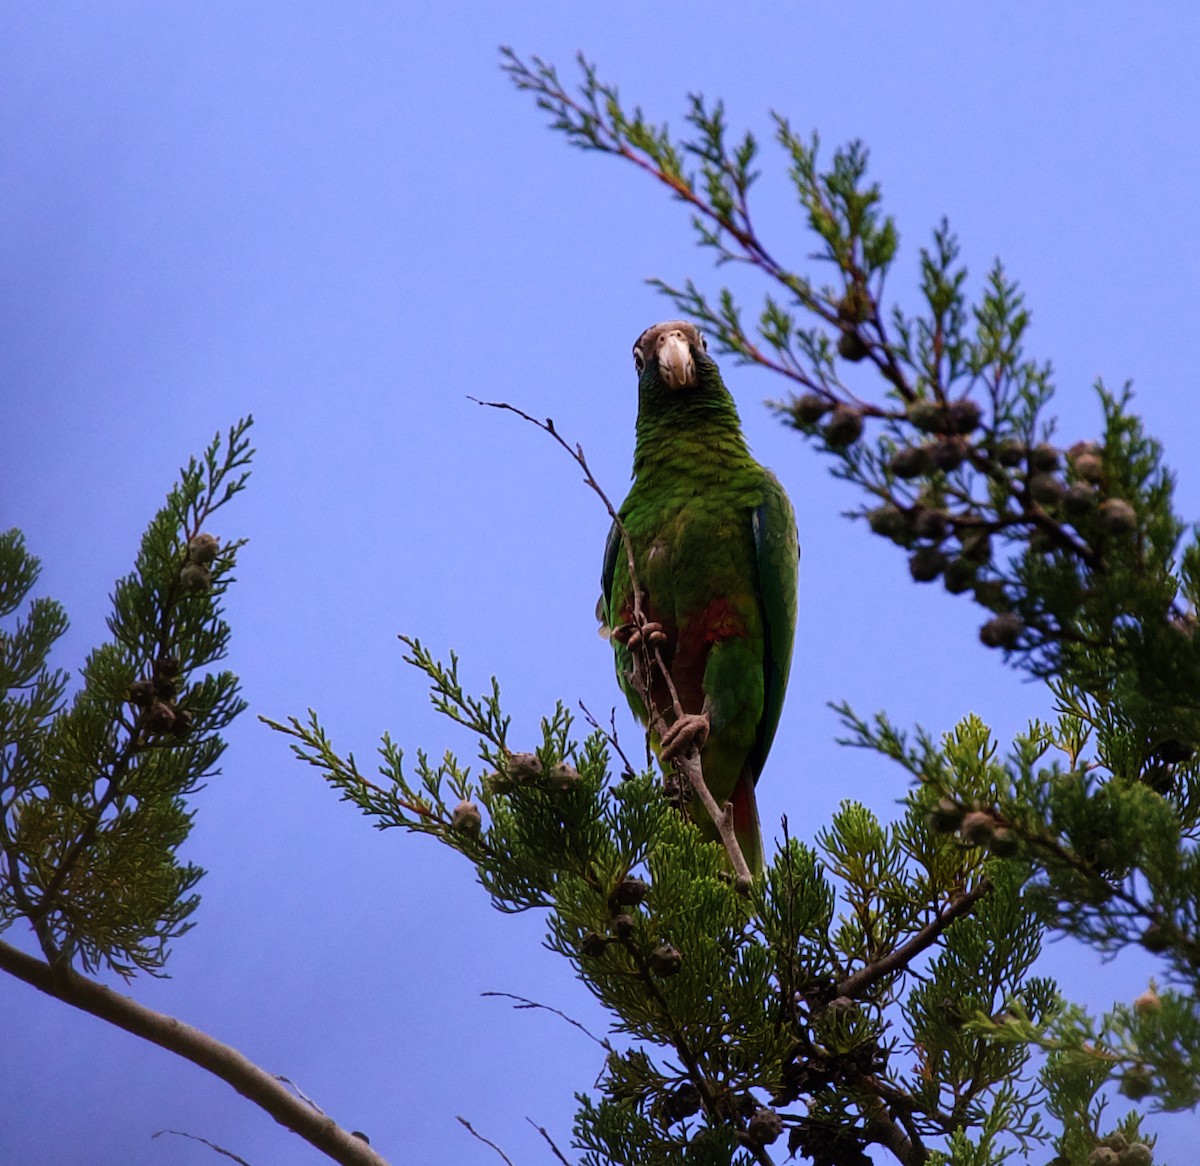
(719,621)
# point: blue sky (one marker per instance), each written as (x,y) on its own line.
(344,220)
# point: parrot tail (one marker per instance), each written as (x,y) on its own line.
(745,822)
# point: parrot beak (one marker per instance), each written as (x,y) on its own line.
(675,363)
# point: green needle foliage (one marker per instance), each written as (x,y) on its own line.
(795,1015)
(876,992)
(878,988)
(93,789)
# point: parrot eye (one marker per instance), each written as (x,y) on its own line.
(703,342)
(639,361)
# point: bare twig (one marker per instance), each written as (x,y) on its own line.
(610,735)
(298,1091)
(197,1138)
(218,1058)
(722,816)
(549,1141)
(522,1002)
(476,1134)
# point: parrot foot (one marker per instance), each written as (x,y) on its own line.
(690,730)
(632,636)
(623,633)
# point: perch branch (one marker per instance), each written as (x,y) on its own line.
(220,1059)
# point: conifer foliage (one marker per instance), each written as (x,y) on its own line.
(92,791)
(877,990)
(874,996)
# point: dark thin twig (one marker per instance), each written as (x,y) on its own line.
(610,735)
(762,1157)
(522,1002)
(197,1138)
(476,1134)
(549,1141)
(905,1105)
(298,1092)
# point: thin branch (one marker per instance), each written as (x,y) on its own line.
(115,771)
(220,1059)
(549,1141)
(1180,940)
(688,763)
(610,735)
(476,1134)
(48,900)
(607,138)
(419,808)
(722,816)
(196,1138)
(905,1105)
(522,1002)
(298,1091)
(895,961)
(26,905)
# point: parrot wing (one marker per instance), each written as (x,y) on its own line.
(612,548)
(778,551)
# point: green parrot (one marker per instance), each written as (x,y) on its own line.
(716,559)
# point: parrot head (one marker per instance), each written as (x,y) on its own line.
(667,354)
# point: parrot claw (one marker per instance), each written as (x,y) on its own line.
(623,633)
(689,731)
(633,637)
(654,635)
